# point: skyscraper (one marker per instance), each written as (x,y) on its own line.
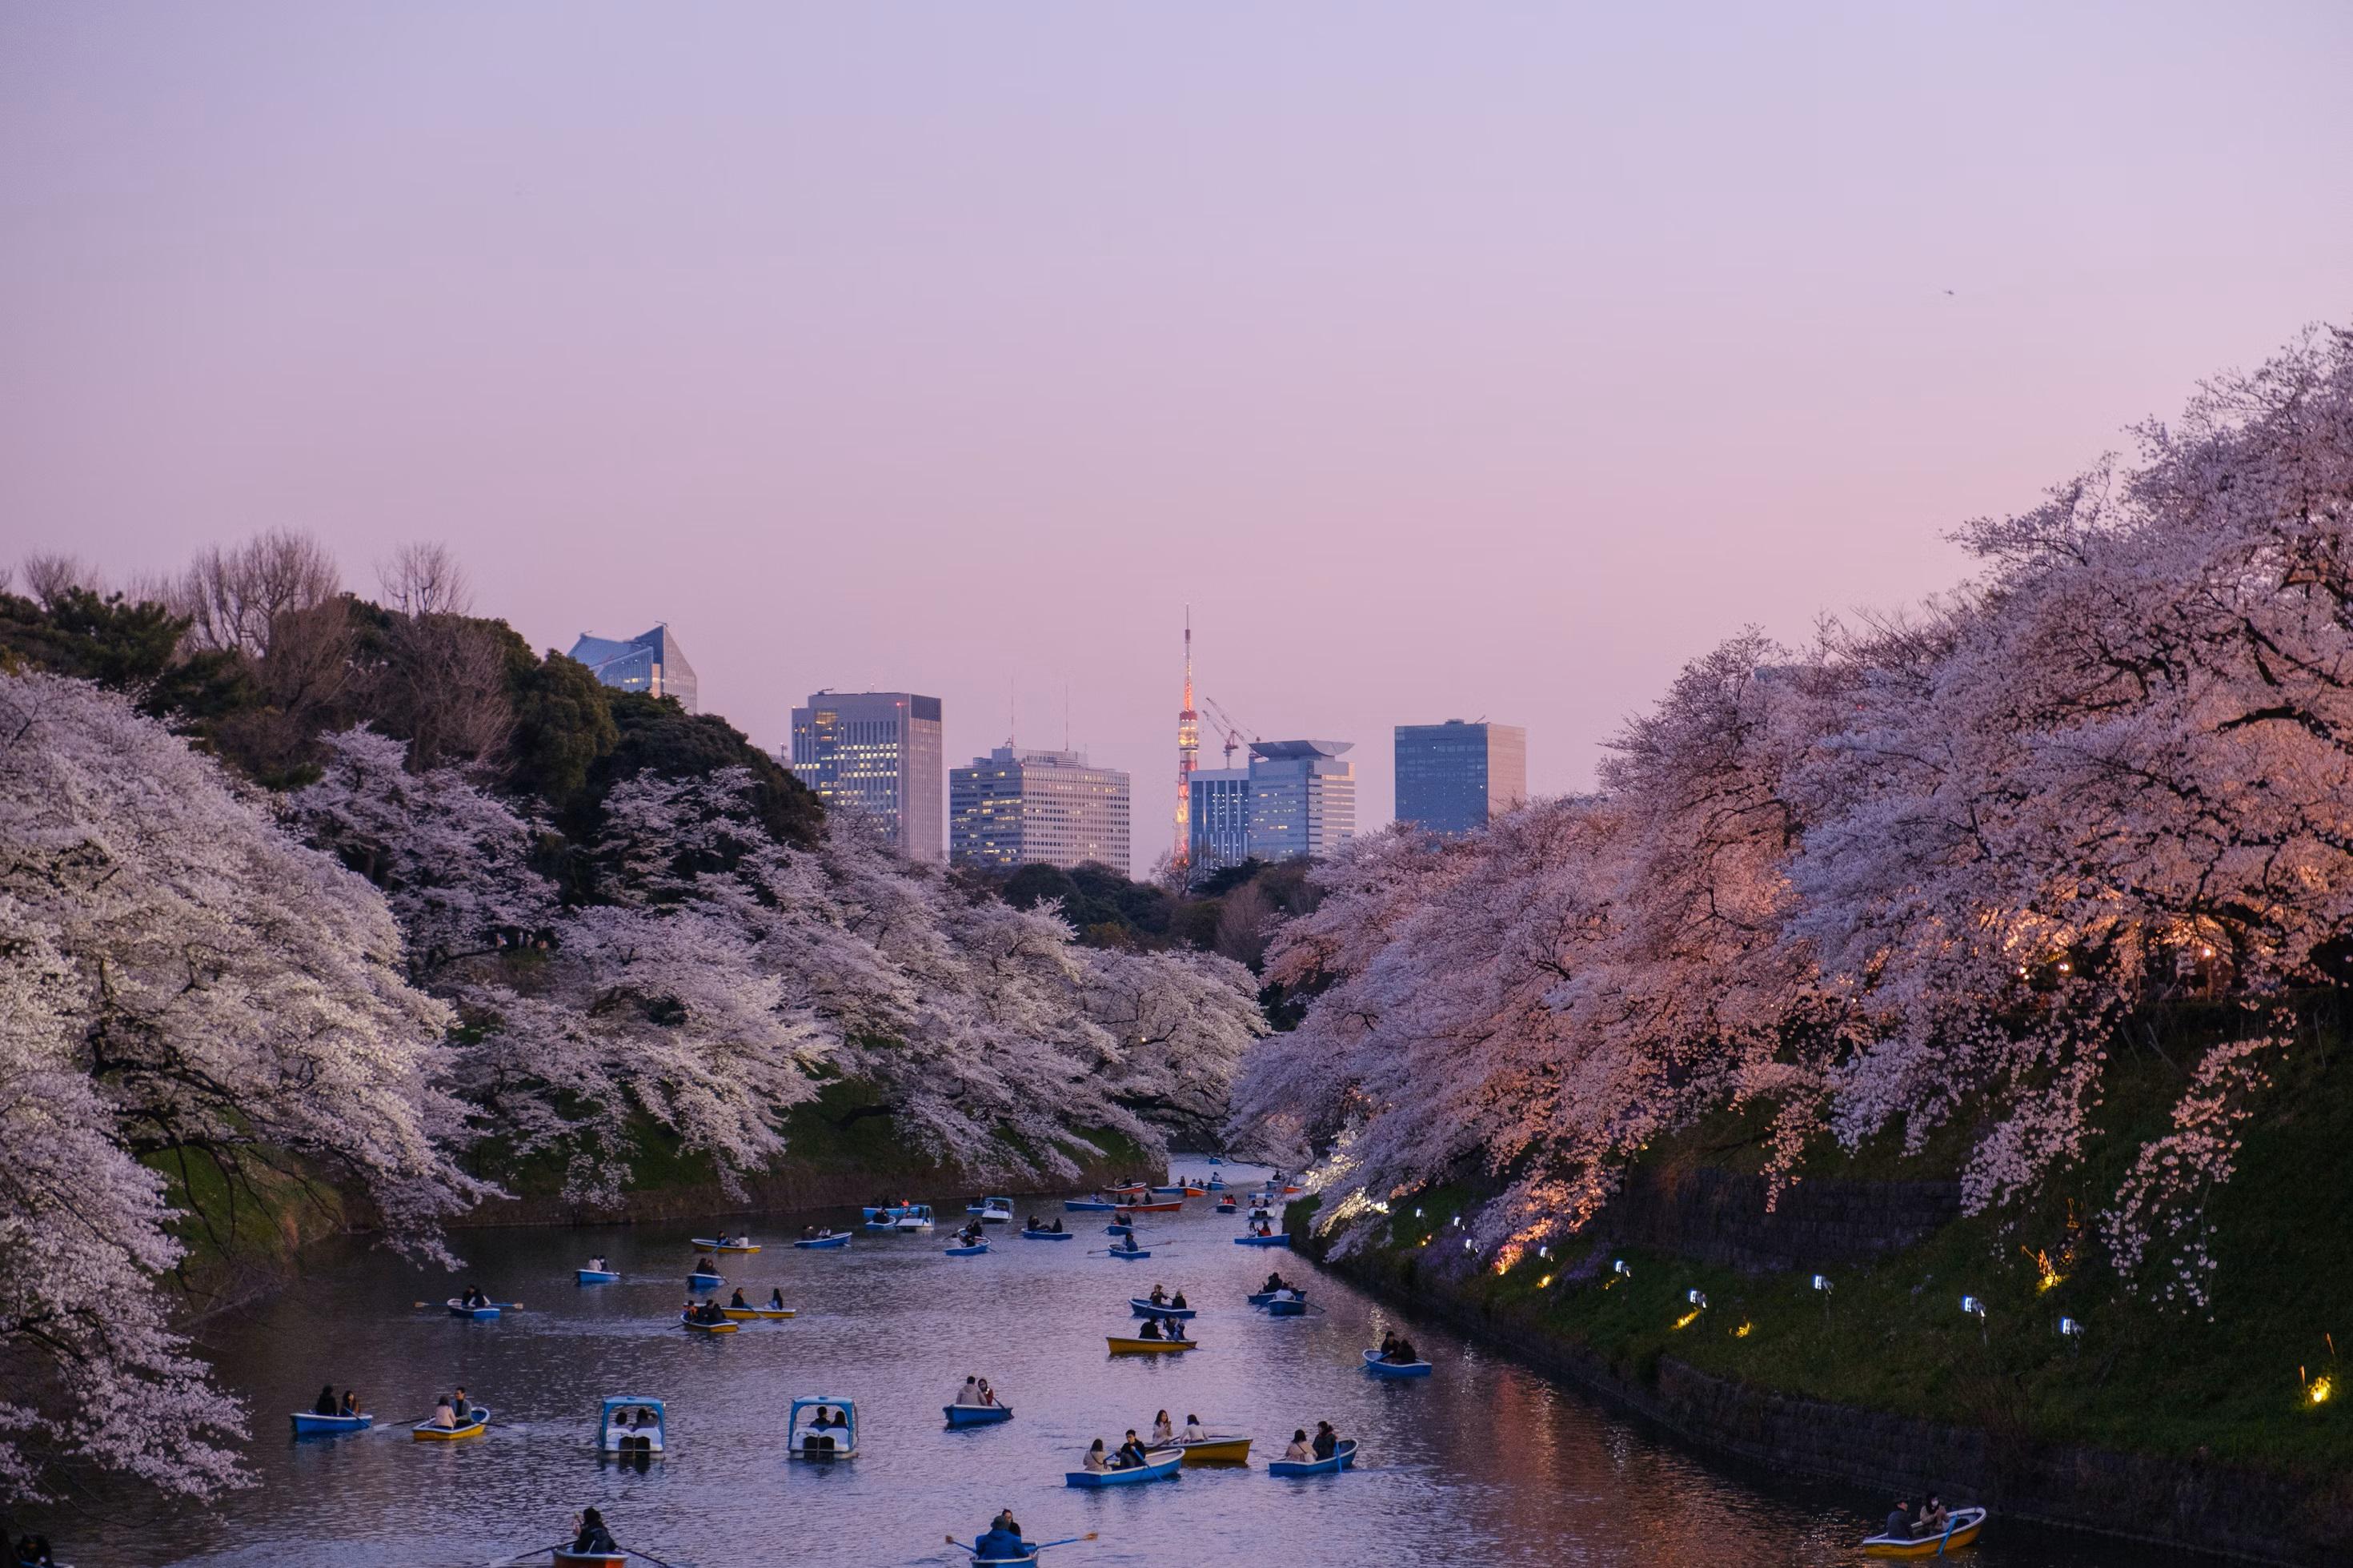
(1220,818)
(877,752)
(1023,807)
(1302,797)
(1452,777)
(651,663)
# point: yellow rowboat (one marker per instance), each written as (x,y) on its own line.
(758,1314)
(426,1432)
(1126,1347)
(694,1327)
(1966,1523)
(1217,1451)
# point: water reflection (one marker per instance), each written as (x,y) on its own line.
(1484,1463)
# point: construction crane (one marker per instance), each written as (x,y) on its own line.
(1231,733)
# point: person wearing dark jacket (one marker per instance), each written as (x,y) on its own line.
(1899,1522)
(1328,1442)
(592,1536)
(1000,1544)
(326,1405)
(1131,1453)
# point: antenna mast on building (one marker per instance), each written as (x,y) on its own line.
(1188,753)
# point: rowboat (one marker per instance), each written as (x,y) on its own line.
(1028,1235)
(975,1250)
(597,1275)
(1177,1191)
(1961,1532)
(1123,1346)
(709,1245)
(1146,1308)
(631,1425)
(601,1559)
(1342,1457)
(1119,1230)
(1130,1253)
(1216,1449)
(1160,1465)
(1172,1207)
(840,1240)
(460,1310)
(978,1414)
(1294,1307)
(309,1423)
(1379,1368)
(724,1326)
(1129,1187)
(1193,1191)
(835,1441)
(759,1314)
(705,1281)
(1088,1205)
(1293,1191)
(1215,1160)
(1280,1238)
(1227,1207)
(1261,1298)
(477,1422)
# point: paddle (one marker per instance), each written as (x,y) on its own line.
(647,1556)
(529,1551)
(1949,1522)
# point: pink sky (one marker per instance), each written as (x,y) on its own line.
(1451,361)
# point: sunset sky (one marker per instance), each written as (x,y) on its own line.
(1449,360)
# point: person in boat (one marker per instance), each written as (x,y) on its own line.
(1194,1431)
(1264,1229)
(1299,1453)
(988,1395)
(712,1314)
(1403,1353)
(1057,1226)
(350,1405)
(1177,1301)
(1005,1521)
(1127,1243)
(1035,1224)
(589,1534)
(1897,1526)
(1273,1282)
(1000,1544)
(326,1405)
(1328,1442)
(737,1301)
(776,1298)
(33,1551)
(1151,1329)
(1934,1516)
(1096,1460)
(445,1414)
(1131,1454)
(703,1265)
(1177,1329)
(970,1392)
(1162,1432)
(1159,1297)
(457,1403)
(808,1233)
(597,1265)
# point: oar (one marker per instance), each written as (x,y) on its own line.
(1067,1541)
(530,1551)
(647,1556)
(1950,1520)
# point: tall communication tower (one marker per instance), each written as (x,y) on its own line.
(1188,753)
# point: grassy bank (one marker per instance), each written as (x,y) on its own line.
(2233,1383)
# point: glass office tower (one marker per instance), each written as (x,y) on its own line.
(879,753)
(1021,807)
(1452,777)
(651,663)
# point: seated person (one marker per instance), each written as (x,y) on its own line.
(1176,1329)
(1934,1516)
(1163,1433)
(1898,1524)
(1298,1452)
(1095,1460)
(1328,1442)
(1151,1329)
(591,1535)
(351,1404)
(1000,1544)
(445,1415)
(326,1405)
(970,1392)
(1194,1431)
(1404,1354)
(1058,1225)
(775,1300)
(988,1395)
(457,1403)
(737,1299)
(1159,1297)
(1131,1453)
(1273,1282)
(1177,1301)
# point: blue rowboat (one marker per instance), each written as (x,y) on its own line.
(1379,1368)
(1130,1256)
(1215,1160)
(1144,1308)
(1168,1192)
(1087,1206)
(699,1281)
(1280,1238)
(308,1424)
(459,1310)
(1342,1457)
(597,1275)
(978,1414)
(842,1240)
(1160,1465)
(1119,1230)
(1261,1298)
(975,1250)
(1292,1309)
(1228,1207)
(1048,1235)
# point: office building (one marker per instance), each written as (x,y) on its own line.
(879,754)
(1220,820)
(1302,797)
(1452,777)
(651,663)
(1021,807)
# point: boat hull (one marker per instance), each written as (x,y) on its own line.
(1286,1309)
(1086,1206)
(1162,1467)
(978,1414)
(1123,1346)
(1967,1524)
(597,1275)
(1173,1206)
(823,1242)
(478,1421)
(1049,1235)
(1130,1253)
(1344,1457)
(972,1251)
(759,1314)
(478,1314)
(599,1559)
(308,1424)
(724,1326)
(1281,1238)
(1218,1451)
(1379,1368)
(1143,1307)
(707,1245)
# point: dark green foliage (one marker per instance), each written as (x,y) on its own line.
(657,736)
(562,725)
(125,646)
(1096,900)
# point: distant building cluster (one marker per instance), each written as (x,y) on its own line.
(1020,807)
(1296,798)
(649,662)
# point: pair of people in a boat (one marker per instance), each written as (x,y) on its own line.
(1164,1434)
(775,1300)
(815,1232)
(1160,1329)
(1902,1524)
(976,1391)
(1002,1539)
(473,1297)
(454,1411)
(1398,1351)
(1126,1457)
(328,1406)
(1276,1282)
(1325,1443)
(705,1311)
(635,1417)
(32,1551)
(1160,1298)
(1038,1224)
(589,1534)
(830,1429)
(1263,1229)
